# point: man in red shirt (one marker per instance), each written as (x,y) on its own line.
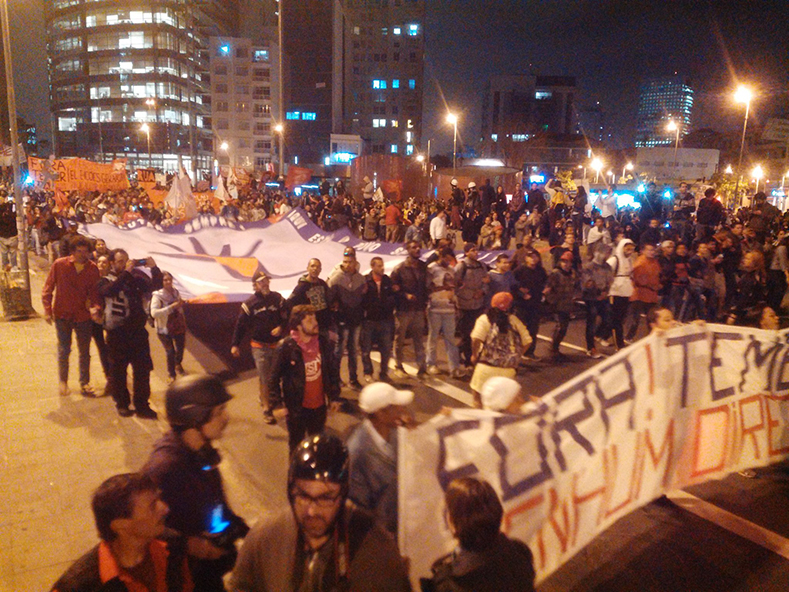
(305,375)
(646,286)
(72,280)
(393,216)
(130,517)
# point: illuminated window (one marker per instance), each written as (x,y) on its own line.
(412,84)
(379,84)
(409,149)
(260,55)
(395,123)
(541,95)
(224,50)
(413,30)
(293,115)
(396,31)
(308,116)
(393,148)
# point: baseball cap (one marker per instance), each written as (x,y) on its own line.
(378,395)
(499,392)
(501,300)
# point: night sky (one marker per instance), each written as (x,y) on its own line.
(608,45)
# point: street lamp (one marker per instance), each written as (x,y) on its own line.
(597,166)
(673,127)
(728,170)
(280,129)
(146,128)
(627,167)
(453,119)
(743,95)
(758,174)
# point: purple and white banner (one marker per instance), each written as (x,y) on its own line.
(213,259)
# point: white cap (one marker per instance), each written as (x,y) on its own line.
(378,395)
(499,392)
(472,185)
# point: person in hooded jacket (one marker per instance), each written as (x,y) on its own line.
(530,281)
(622,287)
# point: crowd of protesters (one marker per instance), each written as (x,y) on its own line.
(561,255)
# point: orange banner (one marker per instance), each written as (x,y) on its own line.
(77,174)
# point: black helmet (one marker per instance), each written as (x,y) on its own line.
(190,399)
(319,458)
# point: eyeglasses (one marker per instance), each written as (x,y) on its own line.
(326,500)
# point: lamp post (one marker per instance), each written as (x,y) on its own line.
(281,92)
(147,129)
(627,167)
(758,174)
(225,147)
(673,127)
(597,166)
(280,129)
(24,303)
(453,119)
(728,170)
(743,95)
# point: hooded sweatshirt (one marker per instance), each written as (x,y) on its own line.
(623,271)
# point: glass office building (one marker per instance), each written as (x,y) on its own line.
(128,79)
(662,100)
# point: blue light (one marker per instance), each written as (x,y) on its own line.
(218,522)
(667,194)
(292,115)
(225,49)
(345,157)
(412,84)
(626,200)
(537,179)
(641,188)
(29,180)
(395,83)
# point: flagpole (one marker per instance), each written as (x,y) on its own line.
(26,307)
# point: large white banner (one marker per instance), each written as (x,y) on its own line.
(669,411)
(213,259)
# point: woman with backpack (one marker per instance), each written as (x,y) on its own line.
(498,341)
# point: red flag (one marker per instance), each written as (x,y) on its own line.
(61,199)
(297,176)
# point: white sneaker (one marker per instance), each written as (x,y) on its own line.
(433,370)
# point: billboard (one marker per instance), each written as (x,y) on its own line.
(691,163)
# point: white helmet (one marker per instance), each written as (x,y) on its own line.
(472,185)
(454,182)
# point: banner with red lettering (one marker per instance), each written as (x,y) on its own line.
(672,410)
(78,174)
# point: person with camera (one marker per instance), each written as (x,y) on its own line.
(167,310)
(124,291)
(185,466)
(322,541)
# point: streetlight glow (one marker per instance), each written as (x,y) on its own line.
(671,127)
(758,174)
(224,146)
(279,128)
(453,119)
(728,170)
(597,166)
(420,158)
(743,95)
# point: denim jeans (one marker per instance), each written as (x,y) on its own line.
(413,322)
(348,336)
(264,361)
(8,247)
(442,323)
(174,349)
(595,309)
(84,332)
(379,332)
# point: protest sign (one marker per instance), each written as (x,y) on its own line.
(77,174)
(669,411)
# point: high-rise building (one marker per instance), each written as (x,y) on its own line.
(519,107)
(591,123)
(241,101)
(382,73)
(127,78)
(308,59)
(664,99)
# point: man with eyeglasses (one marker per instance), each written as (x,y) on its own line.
(322,542)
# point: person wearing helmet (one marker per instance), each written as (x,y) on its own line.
(185,466)
(321,542)
(457,201)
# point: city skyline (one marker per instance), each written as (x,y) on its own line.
(610,48)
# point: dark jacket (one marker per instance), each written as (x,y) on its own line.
(128,310)
(507,565)
(410,279)
(318,295)
(85,575)
(532,280)
(379,307)
(259,316)
(288,378)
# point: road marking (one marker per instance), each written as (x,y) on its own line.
(568,345)
(731,522)
(436,384)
